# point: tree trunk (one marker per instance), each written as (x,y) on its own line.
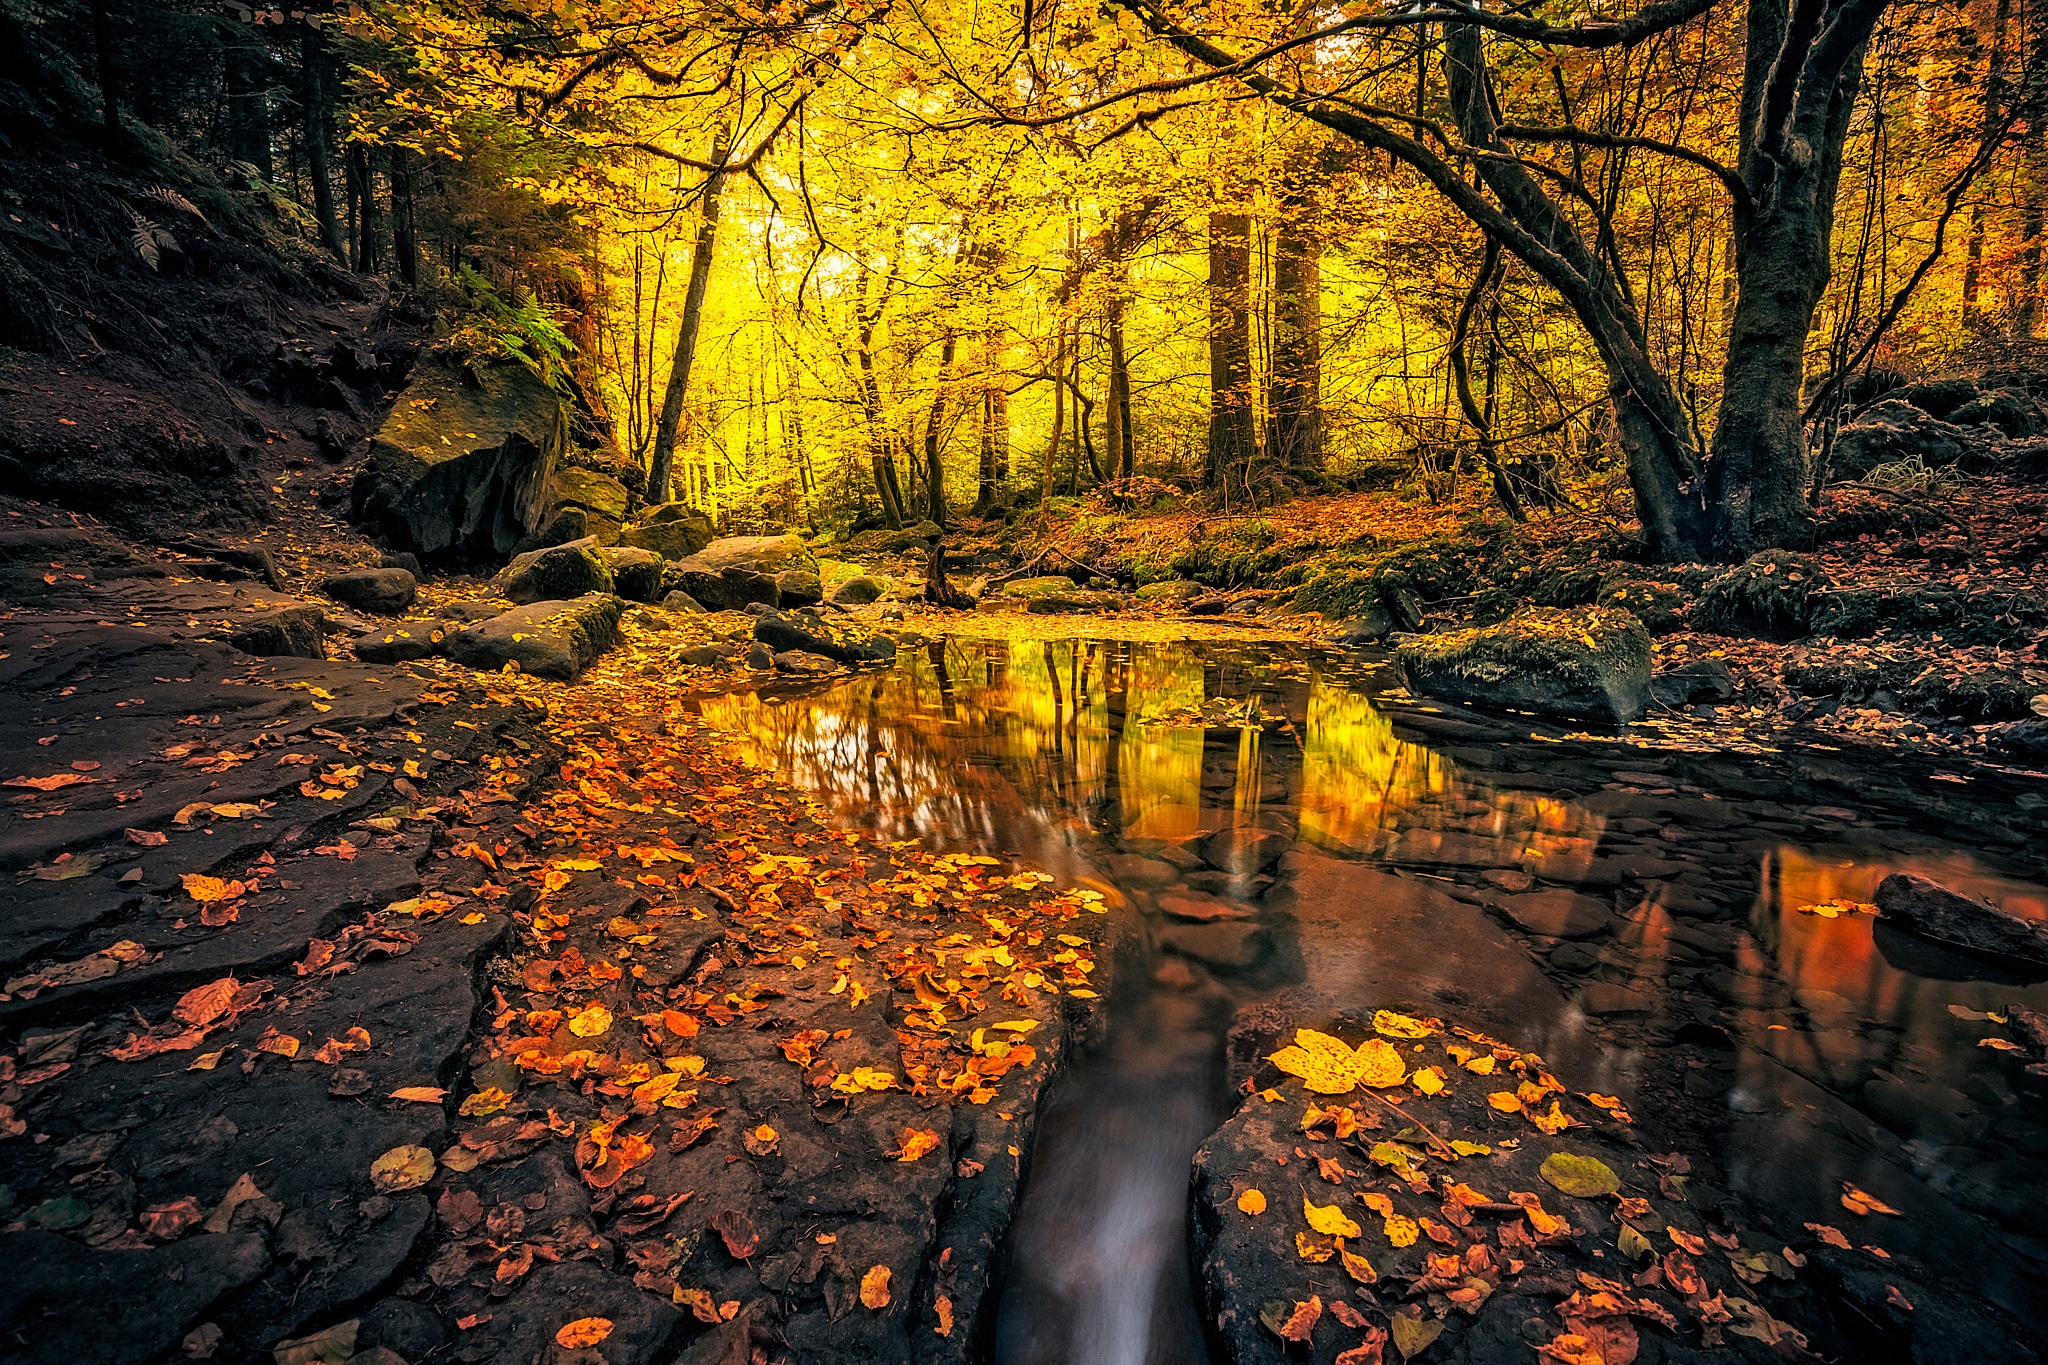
(1476,417)
(1059,409)
(316,101)
(1757,466)
(663,456)
(934,436)
(405,241)
(1294,431)
(1232,435)
(370,219)
(1119,453)
(247,131)
(109,70)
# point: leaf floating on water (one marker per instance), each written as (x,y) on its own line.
(1865,1203)
(1837,908)
(1583,1177)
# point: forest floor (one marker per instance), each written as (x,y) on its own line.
(1943,643)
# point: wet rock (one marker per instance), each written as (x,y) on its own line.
(1243,850)
(62,1303)
(857,591)
(1196,907)
(636,573)
(1073,603)
(1509,879)
(1447,848)
(1570,957)
(547,639)
(292,632)
(603,500)
(382,592)
(804,665)
(557,573)
(523,1326)
(461,465)
(674,530)
(402,644)
(1603,999)
(1923,1109)
(1209,606)
(1051,585)
(805,631)
(1932,911)
(1130,869)
(1369,627)
(1590,663)
(1558,914)
(1699,680)
(1224,946)
(402,559)
(760,657)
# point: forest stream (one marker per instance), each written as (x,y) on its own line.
(1247,803)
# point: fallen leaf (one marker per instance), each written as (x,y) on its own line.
(1252,1202)
(1583,1177)
(1865,1203)
(874,1288)
(420,1094)
(1329,1219)
(583,1332)
(402,1168)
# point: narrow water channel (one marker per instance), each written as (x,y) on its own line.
(1287,855)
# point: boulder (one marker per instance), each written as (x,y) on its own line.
(1242,851)
(674,530)
(1895,430)
(758,554)
(461,465)
(857,591)
(1700,680)
(547,639)
(382,592)
(1073,602)
(636,573)
(1053,585)
(602,499)
(290,632)
(681,601)
(402,644)
(731,590)
(402,559)
(1372,625)
(563,525)
(557,573)
(1170,592)
(807,632)
(1579,663)
(804,665)
(737,571)
(799,588)
(1929,910)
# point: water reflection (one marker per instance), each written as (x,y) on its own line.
(1181,774)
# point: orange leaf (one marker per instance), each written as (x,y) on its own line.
(583,1332)
(874,1288)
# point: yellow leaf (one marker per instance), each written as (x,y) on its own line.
(1252,1202)
(1429,1081)
(1506,1101)
(1328,1219)
(916,1142)
(1401,1231)
(582,1333)
(206,890)
(874,1288)
(1401,1025)
(402,1168)
(590,1021)
(1356,1266)
(1314,1249)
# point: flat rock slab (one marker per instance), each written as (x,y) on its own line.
(1223,946)
(1450,848)
(1199,907)
(1244,850)
(1932,911)
(62,1303)
(1558,914)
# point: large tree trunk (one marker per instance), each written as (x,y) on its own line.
(1119,453)
(1059,410)
(1294,430)
(246,130)
(1757,467)
(1232,434)
(109,70)
(369,251)
(316,102)
(686,333)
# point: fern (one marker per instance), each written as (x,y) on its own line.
(164,194)
(150,239)
(521,328)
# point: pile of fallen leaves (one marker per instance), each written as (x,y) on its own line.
(1433,1167)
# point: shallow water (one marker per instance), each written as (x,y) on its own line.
(1821,1050)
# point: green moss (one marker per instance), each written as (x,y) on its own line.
(1771,595)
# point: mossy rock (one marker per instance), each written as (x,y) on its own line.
(1660,604)
(557,573)
(1588,663)
(1768,596)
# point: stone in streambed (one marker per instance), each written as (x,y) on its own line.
(1603,998)
(1242,851)
(1930,910)
(383,592)
(1130,869)
(806,631)
(1584,663)
(557,573)
(63,1302)
(547,639)
(1225,947)
(402,644)
(1558,914)
(857,591)
(1198,907)
(674,530)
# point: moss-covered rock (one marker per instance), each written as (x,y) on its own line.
(557,573)
(674,530)
(1769,596)
(1588,663)
(1659,603)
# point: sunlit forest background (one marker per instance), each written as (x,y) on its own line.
(1038,251)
